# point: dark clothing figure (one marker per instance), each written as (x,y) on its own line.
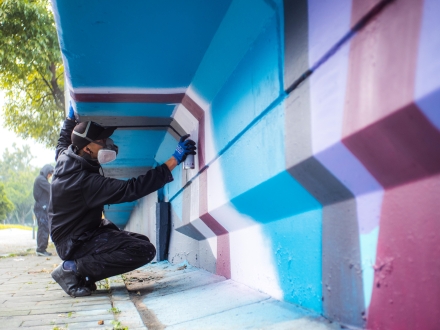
(78,195)
(41,206)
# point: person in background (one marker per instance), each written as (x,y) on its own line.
(41,207)
(94,248)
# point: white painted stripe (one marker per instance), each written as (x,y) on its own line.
(252,261)
(231,219)
(329,21)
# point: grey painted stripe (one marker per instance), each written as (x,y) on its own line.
(342,273)
(319,182)
(125,172)
(341,276)
(190,231)
(139,123)
(177,129)
(296,44)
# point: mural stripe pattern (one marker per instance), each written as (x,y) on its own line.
(341,278)
(223,265)
(401,148)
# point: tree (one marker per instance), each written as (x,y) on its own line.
(6,205)
(31,70)
(18,177)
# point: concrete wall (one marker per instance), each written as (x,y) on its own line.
(321,191)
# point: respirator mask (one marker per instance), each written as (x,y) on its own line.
(108,153)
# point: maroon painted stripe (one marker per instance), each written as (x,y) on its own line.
(193,108)
(403,147)
(199,114)
(127,98)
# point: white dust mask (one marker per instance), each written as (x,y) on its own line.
(106,156)
(108,153)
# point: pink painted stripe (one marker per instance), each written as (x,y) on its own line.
(406,292)
(127,98)
(383,58)
(387,132)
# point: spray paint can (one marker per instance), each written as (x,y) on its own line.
(188,164)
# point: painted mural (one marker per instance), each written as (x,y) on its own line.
(317,122)
(323,195)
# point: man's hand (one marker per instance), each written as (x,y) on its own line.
(184,148)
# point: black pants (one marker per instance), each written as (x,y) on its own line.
(108,251)
(42,234)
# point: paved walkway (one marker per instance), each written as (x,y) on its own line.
(29,298)
(159,296)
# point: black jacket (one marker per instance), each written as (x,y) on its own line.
(79,193)
(42,192)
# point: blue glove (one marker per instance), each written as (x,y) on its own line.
(184,148)
(71,114)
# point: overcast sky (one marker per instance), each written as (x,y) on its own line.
(42,155)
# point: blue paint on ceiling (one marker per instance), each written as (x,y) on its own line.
(137,43)
(136,147)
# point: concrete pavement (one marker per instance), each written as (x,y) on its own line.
(159,296)
(29,298)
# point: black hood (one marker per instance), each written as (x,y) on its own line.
(65,165)
(46,170)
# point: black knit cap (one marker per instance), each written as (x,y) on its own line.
(89,131)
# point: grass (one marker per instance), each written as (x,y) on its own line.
(117,325)
(104,284)
(28,252)
(15,226)
(19,254)
(114,310)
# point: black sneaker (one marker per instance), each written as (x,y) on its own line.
(43,254)
(70,282)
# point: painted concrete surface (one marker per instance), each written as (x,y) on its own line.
(184,297)
(317,128)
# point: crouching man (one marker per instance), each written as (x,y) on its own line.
(93,248)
